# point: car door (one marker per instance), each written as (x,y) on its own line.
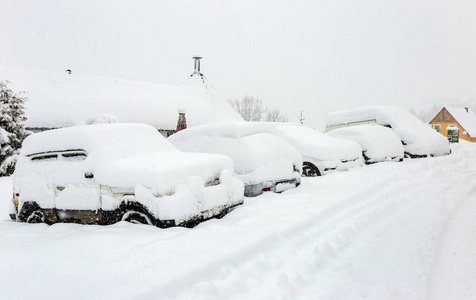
(74,186)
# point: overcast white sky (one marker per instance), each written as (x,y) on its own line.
(312,56)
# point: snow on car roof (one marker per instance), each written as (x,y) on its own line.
(312,143)
(378,141)
(230,129)
(57,99)
(384,115)
(251,146)
(418,136)
(125,137)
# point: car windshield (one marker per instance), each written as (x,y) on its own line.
(108,140)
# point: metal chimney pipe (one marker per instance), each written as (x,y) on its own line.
(197,65)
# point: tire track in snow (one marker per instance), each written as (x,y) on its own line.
(455,268)
(331,234)
(295,262)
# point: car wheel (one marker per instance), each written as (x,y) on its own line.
(31,212)
(136,217)
(38,216)
(310,170)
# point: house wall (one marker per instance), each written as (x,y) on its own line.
(462,135)
(444,119)
(166,133)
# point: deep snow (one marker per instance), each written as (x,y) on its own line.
(57,99)
(384,231)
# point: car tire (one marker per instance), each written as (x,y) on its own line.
(136,217)
(38,216)
(31,212)
(310,170)
(136,213)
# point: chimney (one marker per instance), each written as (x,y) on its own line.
(467,109)
(196,67)
(182,122)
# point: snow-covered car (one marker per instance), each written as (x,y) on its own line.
(262,160)
(418,138)
(105,173)
(378,143)
(321,153)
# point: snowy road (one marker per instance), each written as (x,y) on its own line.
(385,231)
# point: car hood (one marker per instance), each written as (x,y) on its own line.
(160,172)
(317,145)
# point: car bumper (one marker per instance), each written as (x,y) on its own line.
(278,186)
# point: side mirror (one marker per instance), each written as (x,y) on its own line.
(88,175)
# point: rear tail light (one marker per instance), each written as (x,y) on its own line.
(266,190)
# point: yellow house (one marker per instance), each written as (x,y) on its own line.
(462,118)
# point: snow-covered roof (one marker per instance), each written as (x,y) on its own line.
(419,137)
(58,99)
(467,119)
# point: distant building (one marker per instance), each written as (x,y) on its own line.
(462,118)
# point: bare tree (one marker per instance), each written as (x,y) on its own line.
(250,108)
(274,115)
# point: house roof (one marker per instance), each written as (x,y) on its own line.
(59,99)
(467,119)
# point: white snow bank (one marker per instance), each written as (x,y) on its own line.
(58,99)
(379,143)
(419,138)
(257,155)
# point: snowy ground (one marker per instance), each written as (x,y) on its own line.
(385,231)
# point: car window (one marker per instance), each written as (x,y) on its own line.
(45,157)
(66,155)
(74,156)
